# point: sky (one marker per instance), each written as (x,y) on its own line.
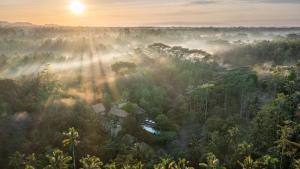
(154,12)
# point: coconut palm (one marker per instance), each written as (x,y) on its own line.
(16,160)
(72,140)
(138,165)
(31,162)
(163,165)
(181,164)
(296,164)
(58,160)
(248,163)
(211,162)
(91,162)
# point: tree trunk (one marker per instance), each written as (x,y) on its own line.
(242,103)
(225,102)
(74,163)
(206,105)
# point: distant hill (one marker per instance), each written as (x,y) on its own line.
(13,24)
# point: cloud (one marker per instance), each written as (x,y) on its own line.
(203,2)
(283,1)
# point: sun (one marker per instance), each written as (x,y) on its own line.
(77,7)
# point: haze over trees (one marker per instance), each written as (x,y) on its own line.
(133,98)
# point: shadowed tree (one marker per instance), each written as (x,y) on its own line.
(31,162)
(284,144)
(268,161)
(296,164)
(16,160)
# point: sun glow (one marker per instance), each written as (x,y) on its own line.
(77,7)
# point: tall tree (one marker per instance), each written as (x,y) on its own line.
(71,140)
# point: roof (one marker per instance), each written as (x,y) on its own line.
(99,108)
(118,112)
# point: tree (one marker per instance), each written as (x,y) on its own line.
(211,162)
(296,164)
(268,161)
(91,162)
(58,160)
(164,164)
(17,160)
(123,67)
(110,166)
(248,163)
(138,165)
(31,162)
(181,164)
(72,140)
(286,132)
(207,87)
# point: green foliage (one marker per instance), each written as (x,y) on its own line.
(72,137)
(163,123)
(268,161)
(58,160)
(123,67)
(31,162)
(171,164)
(248,163)
(17,160)
(72,140)
(138,165)
(91,162)
(280,52)
(247,117)
(296,164)
(211,162)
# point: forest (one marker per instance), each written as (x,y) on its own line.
(149,97)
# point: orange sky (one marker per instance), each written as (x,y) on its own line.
(155,12)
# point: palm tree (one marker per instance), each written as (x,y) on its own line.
(163,165)
(29,167)
(110,166)
(211,162)
(138,165)
(16,160)
(91,162)
(181,164)
(285,132)
(268,161)
(296,164)
(31,162)
(58,160)
(248,163)
(72,140)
